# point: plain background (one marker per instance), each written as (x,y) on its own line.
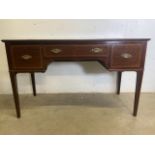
(76,77)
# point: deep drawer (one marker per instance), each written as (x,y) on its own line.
(26,57)
(126,56)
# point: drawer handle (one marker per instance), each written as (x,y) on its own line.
(56,50)
(26,57)
(126,55)
(97,50)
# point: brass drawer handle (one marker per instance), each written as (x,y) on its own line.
(97,50)
(126,55)
(26,57)
(56,50)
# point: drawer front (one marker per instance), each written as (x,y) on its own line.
(59,50)
(26,57)
(98,50)
(126,56)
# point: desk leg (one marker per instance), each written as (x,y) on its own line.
(15,92)
(137,93)
(119,77)
(33,83)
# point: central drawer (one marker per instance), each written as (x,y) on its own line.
(59,50)
(90,50)
(77,50)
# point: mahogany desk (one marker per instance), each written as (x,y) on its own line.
(30,56)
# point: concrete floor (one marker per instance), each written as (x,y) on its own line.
(78,114)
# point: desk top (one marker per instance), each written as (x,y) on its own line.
(74,40)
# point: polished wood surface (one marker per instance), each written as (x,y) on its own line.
(30,57)
(133,50)
(114,54)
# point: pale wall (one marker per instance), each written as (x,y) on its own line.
(77,76)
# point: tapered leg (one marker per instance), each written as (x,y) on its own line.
(137,93)
(119,76)
(15,93)
(33,83)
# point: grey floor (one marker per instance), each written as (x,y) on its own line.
(78,114)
